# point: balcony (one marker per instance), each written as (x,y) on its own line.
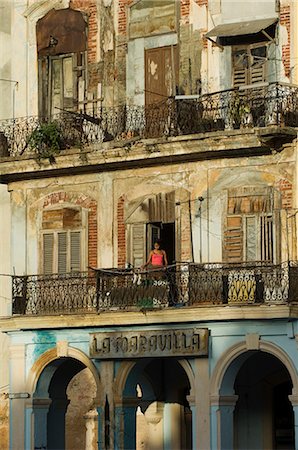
(264,106)
(182,285)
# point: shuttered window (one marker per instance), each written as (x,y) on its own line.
(62,252)
(249,238)
(249,64)
(138,244)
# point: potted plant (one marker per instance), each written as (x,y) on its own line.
(46,140)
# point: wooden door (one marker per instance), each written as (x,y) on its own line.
(161,73)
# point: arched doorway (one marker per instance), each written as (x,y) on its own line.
(64,394)
(253,398)
(156,410)
(263,415)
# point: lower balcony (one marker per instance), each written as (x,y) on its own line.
(179,286)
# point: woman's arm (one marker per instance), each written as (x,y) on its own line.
(149,259)
(165,258)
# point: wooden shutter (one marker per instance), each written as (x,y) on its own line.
(68,83)
(249,65)
(233,239)
(75,251)
(266,238)
(240,62)
(48,253)
(138,244)
(251,238)
(62,252)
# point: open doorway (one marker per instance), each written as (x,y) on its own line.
(166,233)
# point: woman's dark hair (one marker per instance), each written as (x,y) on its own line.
(157,241)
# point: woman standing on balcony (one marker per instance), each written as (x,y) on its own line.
(157,257)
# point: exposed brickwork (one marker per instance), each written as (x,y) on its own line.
(85,202)
(89,7)
(184,10)
(285,20)
(202,2)
(121,233)
(286,189)
(122,16)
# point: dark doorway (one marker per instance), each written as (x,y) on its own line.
(283,417)
(167,236)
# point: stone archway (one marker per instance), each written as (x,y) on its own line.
(155,407)
(66,394)
(242,398)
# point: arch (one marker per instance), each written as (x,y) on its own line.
(239,349)
(121,378)
(189,373)
(51,355)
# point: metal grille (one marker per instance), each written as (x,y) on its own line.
(273,104)
(184,284)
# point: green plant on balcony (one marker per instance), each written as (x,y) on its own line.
(46,141)
(239,112)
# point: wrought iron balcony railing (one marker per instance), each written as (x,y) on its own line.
(180,285)
(272,104)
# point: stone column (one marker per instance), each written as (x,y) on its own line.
(294,400)
(18,397)
(223,422)
(154,415)
(91,423)
(40,412)
(129,425)
(201,417)
(119,424)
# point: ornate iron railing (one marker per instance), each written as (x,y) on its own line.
(182,285)
(272,104)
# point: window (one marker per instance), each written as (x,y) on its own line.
(250,228)
(249,64)
(61,61)
(63,241)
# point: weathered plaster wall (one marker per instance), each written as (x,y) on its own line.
(5,309)
(6,89)
(116,193)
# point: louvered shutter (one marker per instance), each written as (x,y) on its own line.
(62,252)
(266,225)
(138,244)
(233,239)
(251,238)
(48,253)
(75,251)
(240,63)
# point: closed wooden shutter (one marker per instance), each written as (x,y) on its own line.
(233,239)
(249,65)
(75,251)
(251,238)
(266,225)
(138,244)
(48,253)
(62,252)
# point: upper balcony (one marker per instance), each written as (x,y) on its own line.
(180,287)
(264,107)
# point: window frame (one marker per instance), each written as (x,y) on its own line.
(82,229)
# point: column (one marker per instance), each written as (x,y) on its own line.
(18,397)
(91,423)
(201,419)
(294,400)
(40,413)
(154,415)
(225,425)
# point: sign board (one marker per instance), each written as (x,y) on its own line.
(148,344)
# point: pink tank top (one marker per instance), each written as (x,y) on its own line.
(157,260)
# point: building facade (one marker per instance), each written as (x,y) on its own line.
(122,122)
